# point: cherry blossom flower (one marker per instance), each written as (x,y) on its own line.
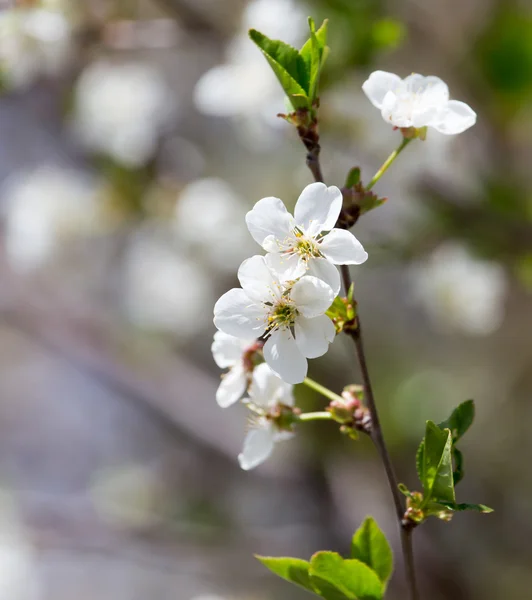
(121,110)
(308,242)
(47,207)
(33,42)
(293,316)
(461,292)
(270,399)
(418,101)
(237,355)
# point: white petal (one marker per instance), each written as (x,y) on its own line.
(342,248)
(288,267)
(379,84)
(256,279)
(391,111)
(269,217)
(421,117)
(267,389)
(227,350)
(284,358)
(318,207)
(431,91)
(235,314)
(312,296)
(232,386)
(326,271)
(455,118)
(258,446)
(313,336)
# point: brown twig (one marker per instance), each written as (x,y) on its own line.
(310,138)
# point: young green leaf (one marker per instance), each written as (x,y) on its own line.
(437,465)
(294,570)
(353,177)
(460,420)
(336,578)
(314,53)
(289,67)
(370,546)
(481,508)
(458,473)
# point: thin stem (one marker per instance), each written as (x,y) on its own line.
(379,443)
(387,163)
(317,387)
(315,416)
(313,163)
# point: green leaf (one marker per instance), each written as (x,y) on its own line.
(370,546)
(336,578)
(289,67)
(458,473)
(460,420)
(294,570)
(353,177)
(314,53)
(481,508)
(437,464)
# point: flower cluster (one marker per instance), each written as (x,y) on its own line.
(278,315)
(284,295)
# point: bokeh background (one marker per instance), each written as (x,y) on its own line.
(134,136)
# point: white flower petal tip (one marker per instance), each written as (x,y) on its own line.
(417,102)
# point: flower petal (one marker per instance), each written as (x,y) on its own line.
(269,217)
(455,118)
(227,349)
(258,445)
(342,248)
(327,272)
(235,314)
(257,280)
(232,387)
(379,84)
(318,208)
(267,389)
(313,336)
(284,358)
(431,91)
(312,296)
(288,267)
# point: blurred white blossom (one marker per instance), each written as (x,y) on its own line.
(245,86)
(19,577)
(208,219)
(121,110)
(45,207)
(165,291)
(34,41)
(460,291)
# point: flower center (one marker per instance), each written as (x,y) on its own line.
(305,246)
(282,315)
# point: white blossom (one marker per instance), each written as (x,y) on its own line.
(267,393)
(417,101)
(164,290)
(208,217)
(234,354)
(460,291)
(45,207)
(33,41)
(121,110)
(292,315)
(308,242)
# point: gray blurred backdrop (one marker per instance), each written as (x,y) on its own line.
(134,136)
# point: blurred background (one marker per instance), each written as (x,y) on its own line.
(134,136)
